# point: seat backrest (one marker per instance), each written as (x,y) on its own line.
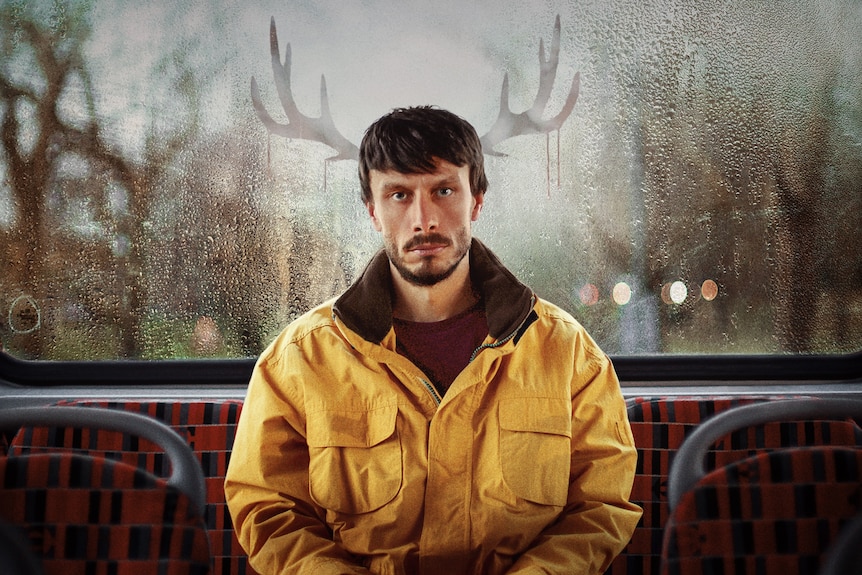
(691,459)
(661,424)
(208,426)
(88,514)
(773,512)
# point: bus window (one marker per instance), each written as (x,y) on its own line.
(688,181)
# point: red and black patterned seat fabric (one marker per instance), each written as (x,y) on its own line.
(94,515)
(208,427)
(87,514)
(772,513)
(660,425)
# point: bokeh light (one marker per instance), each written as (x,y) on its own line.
(678,292)
(665,294)
(589,294)
(622,293)
(709,290)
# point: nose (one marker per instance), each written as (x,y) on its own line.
(423,214)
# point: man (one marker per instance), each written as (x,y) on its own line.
(437,418)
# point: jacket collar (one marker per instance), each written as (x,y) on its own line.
(366,306)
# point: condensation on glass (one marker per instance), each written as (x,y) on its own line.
(702,195)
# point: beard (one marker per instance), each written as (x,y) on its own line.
(428,271)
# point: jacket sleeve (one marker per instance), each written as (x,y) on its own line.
(598,519)
(266,484)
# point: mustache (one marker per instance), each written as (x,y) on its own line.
(433,238)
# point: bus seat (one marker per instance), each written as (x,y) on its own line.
(661,424)
(208,426)
(773,512)
(89,514)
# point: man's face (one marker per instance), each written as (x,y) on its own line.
(426,219)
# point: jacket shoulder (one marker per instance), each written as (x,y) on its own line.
(554,313)
(563,324)
(310,322)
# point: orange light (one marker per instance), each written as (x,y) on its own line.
(665,294)
(709,290)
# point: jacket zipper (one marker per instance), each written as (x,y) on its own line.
(503,341)
(497,343)
(432,391)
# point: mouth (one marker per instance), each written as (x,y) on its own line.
(427,249)
(426,246)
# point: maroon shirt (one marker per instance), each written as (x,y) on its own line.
(442,349)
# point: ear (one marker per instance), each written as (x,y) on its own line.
(478,202)
(372,212)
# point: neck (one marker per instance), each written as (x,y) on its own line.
(440,301)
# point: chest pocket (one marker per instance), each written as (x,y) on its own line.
(354,459)
(535,448)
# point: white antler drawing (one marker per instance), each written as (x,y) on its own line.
(322,129)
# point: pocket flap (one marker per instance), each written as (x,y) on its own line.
(536,414)
(335,428)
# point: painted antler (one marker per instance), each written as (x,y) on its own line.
(299,126)
(509,124)
(322,129)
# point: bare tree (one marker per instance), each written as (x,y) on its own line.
(33,169)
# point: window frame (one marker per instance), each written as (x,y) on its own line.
(693,370)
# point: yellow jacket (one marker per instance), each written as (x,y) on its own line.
(347,461)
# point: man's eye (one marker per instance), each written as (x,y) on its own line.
(399,196)
(445,192)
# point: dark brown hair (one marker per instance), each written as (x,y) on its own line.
(408,140)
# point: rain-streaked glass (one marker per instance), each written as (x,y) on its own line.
(702,195)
